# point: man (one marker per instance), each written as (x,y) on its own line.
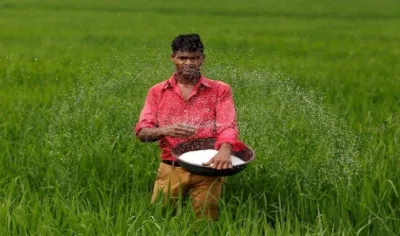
(189,106)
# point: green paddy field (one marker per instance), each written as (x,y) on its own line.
(316,86)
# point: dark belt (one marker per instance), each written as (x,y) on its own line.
(171,163)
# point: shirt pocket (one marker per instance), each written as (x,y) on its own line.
(169,112)
(204,115)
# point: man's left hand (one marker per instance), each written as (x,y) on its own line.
(222,160)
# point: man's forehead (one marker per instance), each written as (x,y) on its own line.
(188,54)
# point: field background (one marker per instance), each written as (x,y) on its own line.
(316,84)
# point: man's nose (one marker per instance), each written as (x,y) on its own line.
(189,62)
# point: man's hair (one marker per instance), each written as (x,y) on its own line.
(187,43)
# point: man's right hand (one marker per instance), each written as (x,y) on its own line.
(180,130)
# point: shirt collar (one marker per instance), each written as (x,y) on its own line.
(171,82)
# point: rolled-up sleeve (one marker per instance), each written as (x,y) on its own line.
(227,130)
(148,116)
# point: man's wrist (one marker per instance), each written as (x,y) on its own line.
(225,147)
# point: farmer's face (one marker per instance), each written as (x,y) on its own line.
(187,63)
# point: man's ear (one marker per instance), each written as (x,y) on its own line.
(203,57)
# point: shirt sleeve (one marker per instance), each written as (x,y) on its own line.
(148,116)
(227,130)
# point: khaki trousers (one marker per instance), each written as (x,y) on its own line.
(173,183)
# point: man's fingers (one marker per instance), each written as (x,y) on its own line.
(182,133)
(188,128)
(208,162)
(191,129)
(185,132)
(225,165)
(221,165)
(179,134)
(218,165)
(182,128)
(215,164)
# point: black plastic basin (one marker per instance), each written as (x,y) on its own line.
(246,154)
